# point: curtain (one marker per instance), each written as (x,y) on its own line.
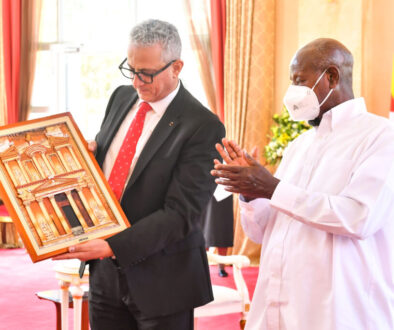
(11,21)
(198,17)
(3,94)
(218,39)
(18,48)
(9,77)
(249,86)
(20,24)
(31,12)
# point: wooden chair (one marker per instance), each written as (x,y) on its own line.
(228,300)
(9,238)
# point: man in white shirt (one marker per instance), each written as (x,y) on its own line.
(326,219)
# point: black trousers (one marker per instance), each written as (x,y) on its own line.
(111,306)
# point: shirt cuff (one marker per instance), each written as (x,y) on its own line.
(285,196)
(248,205)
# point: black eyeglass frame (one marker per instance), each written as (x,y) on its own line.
(138,73)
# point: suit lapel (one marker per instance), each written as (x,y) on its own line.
(161,132)
(115,123)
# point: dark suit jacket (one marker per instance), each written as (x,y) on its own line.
(163,252)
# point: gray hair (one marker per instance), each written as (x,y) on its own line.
(153,31)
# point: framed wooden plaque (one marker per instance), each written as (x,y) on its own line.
(53,187)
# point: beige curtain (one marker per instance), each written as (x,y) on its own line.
(248,86)
(199,23)
(3,99)
(30,20)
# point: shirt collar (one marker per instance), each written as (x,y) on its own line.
(159,107)
(342,113)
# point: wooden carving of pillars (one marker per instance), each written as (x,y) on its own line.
(248,87)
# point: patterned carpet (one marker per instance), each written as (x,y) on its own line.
(20,309)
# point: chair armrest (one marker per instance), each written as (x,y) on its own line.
(237,260)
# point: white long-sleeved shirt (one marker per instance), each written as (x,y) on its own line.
(327,234)
(151,120)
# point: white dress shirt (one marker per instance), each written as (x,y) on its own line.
(327,234)
(151,120)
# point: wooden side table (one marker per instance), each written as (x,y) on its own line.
(56,297)
(67,272)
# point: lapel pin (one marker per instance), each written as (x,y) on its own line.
(171,123)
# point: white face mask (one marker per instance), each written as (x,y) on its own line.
(302,102)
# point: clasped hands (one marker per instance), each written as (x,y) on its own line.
(242,173)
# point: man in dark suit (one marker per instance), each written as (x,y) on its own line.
(152,275)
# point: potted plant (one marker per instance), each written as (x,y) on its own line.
(283,131)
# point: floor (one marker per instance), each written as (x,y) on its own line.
(20,308)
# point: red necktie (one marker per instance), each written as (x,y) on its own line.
(120,170)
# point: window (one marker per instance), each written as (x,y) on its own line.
(82,43)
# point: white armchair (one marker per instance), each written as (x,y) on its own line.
(228,300)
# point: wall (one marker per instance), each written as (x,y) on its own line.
(378,53)
(363,26)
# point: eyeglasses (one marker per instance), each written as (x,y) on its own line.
(147,78)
